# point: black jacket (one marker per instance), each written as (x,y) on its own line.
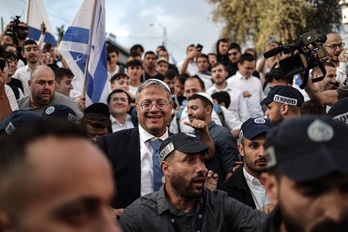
(237,188)
(123,150)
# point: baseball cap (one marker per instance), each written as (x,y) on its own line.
(254,127)
(98,108)
(59,111)
(186,143)
(284,94)
(308,148)
(339,110)
(17,119)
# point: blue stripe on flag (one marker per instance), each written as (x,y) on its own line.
(96,84)
(35,34)
(76,34)
(79,59)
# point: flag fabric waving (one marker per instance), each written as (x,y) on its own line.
(36,14)
(83,47)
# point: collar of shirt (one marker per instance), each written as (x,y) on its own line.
(145,136)
(240,76)
(163,204)
(27,68)
(114,120)
(227,88)
(251,180)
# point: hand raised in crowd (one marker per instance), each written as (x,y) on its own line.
(202,127)
(211,180)
(197,124)
(193,53)
(343,56)
(81,102)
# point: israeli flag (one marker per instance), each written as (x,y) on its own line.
(36,14)
(83,47)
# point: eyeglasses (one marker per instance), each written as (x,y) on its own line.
(233,53)
(146,106)
(334,46)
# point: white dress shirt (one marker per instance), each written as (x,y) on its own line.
(254,87)
(23,74)
(11,98)
(257,190)
(116,126)
(238,105)
(146,165)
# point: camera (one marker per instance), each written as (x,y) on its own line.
(307,53)
(14,26)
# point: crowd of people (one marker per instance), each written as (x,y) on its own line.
(222,141)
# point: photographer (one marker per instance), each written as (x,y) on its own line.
(335,50)
(19,31)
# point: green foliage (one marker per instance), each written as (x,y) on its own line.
(257,20)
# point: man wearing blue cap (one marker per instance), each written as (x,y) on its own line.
(182,203)
(244,185)
(308,175)
(283,102)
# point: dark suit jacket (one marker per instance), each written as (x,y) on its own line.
(123,150)
(237,187)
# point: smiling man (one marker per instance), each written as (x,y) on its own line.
(183,203)
(132,152)
(42,92)
(30,51)
(119,103)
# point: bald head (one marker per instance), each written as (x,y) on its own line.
(39,70)
(42,85)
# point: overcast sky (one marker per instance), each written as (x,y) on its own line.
(186,21)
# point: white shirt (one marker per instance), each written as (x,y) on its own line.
(341,72)
(191,67)
(23,74)
(231,120)
(257,190)
(238,105)
(254,87)
(11,98)
(133,89)
(146,165)
(116,126)
(173,128)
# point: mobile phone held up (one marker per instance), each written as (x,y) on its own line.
(272,39)
(199,47)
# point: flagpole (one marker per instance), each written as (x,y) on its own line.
(28,8)
(89,49)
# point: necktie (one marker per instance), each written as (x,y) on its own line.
(157,170)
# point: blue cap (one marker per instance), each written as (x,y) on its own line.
(254,127)
(186,143)
(285,95)
(17,119)
(308,148)
(339,110)
(59,111)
